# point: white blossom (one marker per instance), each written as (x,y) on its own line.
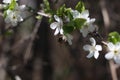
(57,26)
(2,6)
(88,26)
(88,29)
(17,77)
(8,1)
(68,38)
(93,49)
(20,7)
(13,17)
(113,52)
(84,15)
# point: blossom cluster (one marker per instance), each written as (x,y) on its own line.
(12,11)
(68,20)
(113,50)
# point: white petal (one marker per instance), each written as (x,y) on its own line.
(61,31)
(69,41)
(84,32)
(96,54)
(92,20)
(19,18)
(7,20)
(91,28)
(92,40)
(85,14)
(75,14)
(70,36)
(54,25)
(117,59)
(98,47)
(17,77)
(14,23)
(22,7)
(87,47)
(117,46)
(90,55)
(109,55)
(111,46)
(57,19)
(6,1)
(56,31)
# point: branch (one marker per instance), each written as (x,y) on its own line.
(106,19)
(113,68)
(32,37)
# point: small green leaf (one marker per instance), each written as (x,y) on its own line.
(80,6)
(51,19)
(38,17)
(79,22)
(61,10)
(46,6)
(5,14)
(12,5)
(114,37)
(68,28)
(68,13)
(9,32)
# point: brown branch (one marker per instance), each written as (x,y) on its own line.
(32,37)
(106,19)
(113,68)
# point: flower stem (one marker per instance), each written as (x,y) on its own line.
(113,68)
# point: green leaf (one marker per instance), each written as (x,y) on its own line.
(68,13)
(9,32)
(79,22)
(80,6)
(46,6)
(68,28)
(5,14)
(114,37)
(61,10)
(12,5)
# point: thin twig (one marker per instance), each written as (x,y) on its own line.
(32,37)
(113,68)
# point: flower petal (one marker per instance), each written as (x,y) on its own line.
(98,47)
(96,54)
(117,46)
(75,14)
(90,55)
(56,31)
(69,39)
(84,32)
(92,20)
(85,14)
(87,47)
(91,28)
(109,55)
(93,42)
(111,46)
(61,31)
(54,25)
(117,59)
(57,18)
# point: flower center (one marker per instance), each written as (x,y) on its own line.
(14,17)
(116,52)
(93,48)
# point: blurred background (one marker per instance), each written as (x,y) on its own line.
(43,57)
